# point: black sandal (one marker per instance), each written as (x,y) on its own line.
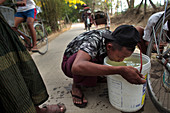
(34,50)
(83,105)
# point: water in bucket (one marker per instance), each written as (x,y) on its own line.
(123,95)
(130,61)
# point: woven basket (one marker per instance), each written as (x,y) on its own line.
(8,14)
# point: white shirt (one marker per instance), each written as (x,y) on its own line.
(151,22)
(30,4)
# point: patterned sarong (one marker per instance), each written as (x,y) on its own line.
(21,86)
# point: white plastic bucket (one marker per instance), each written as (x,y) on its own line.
(123,95)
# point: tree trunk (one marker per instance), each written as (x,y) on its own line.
(153,5)
(131,4)
(128,3)
(145,7)
(139,7)
(44,12)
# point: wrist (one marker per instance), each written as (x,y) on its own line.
(118,69)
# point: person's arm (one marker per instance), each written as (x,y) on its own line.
(22,3)
(2,1)
(83,66)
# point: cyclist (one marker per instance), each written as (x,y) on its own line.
(145,32)
(87,12)
(27,12)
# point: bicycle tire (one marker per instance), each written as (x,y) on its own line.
(158,87)
(41,37)
(88,27)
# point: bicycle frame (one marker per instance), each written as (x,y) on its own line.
(165,61)
(157,42)
(24,36)
(41,37)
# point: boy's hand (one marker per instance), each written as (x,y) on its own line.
(132,75)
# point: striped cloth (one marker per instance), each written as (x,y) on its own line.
(21,86)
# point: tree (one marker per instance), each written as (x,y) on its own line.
(130,3)
(53,11)
(152,4)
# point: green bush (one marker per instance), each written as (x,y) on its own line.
(48,29)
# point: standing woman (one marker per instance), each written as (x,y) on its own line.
(22,88)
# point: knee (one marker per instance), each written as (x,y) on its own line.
(30,24)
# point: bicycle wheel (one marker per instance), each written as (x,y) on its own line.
(42,40)
(88,27)
(159,77)
(88,23)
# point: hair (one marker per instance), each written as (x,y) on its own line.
(116,46)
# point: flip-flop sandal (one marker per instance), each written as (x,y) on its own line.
(34,50)
(83,105)
(59,108)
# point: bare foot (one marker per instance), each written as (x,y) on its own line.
(78,97)
(58,108)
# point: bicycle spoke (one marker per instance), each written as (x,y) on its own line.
(168,104)
(166,35)
(156,42)
(164,104)
(158,92)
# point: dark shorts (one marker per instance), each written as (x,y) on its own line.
(30,13)
(78,79)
